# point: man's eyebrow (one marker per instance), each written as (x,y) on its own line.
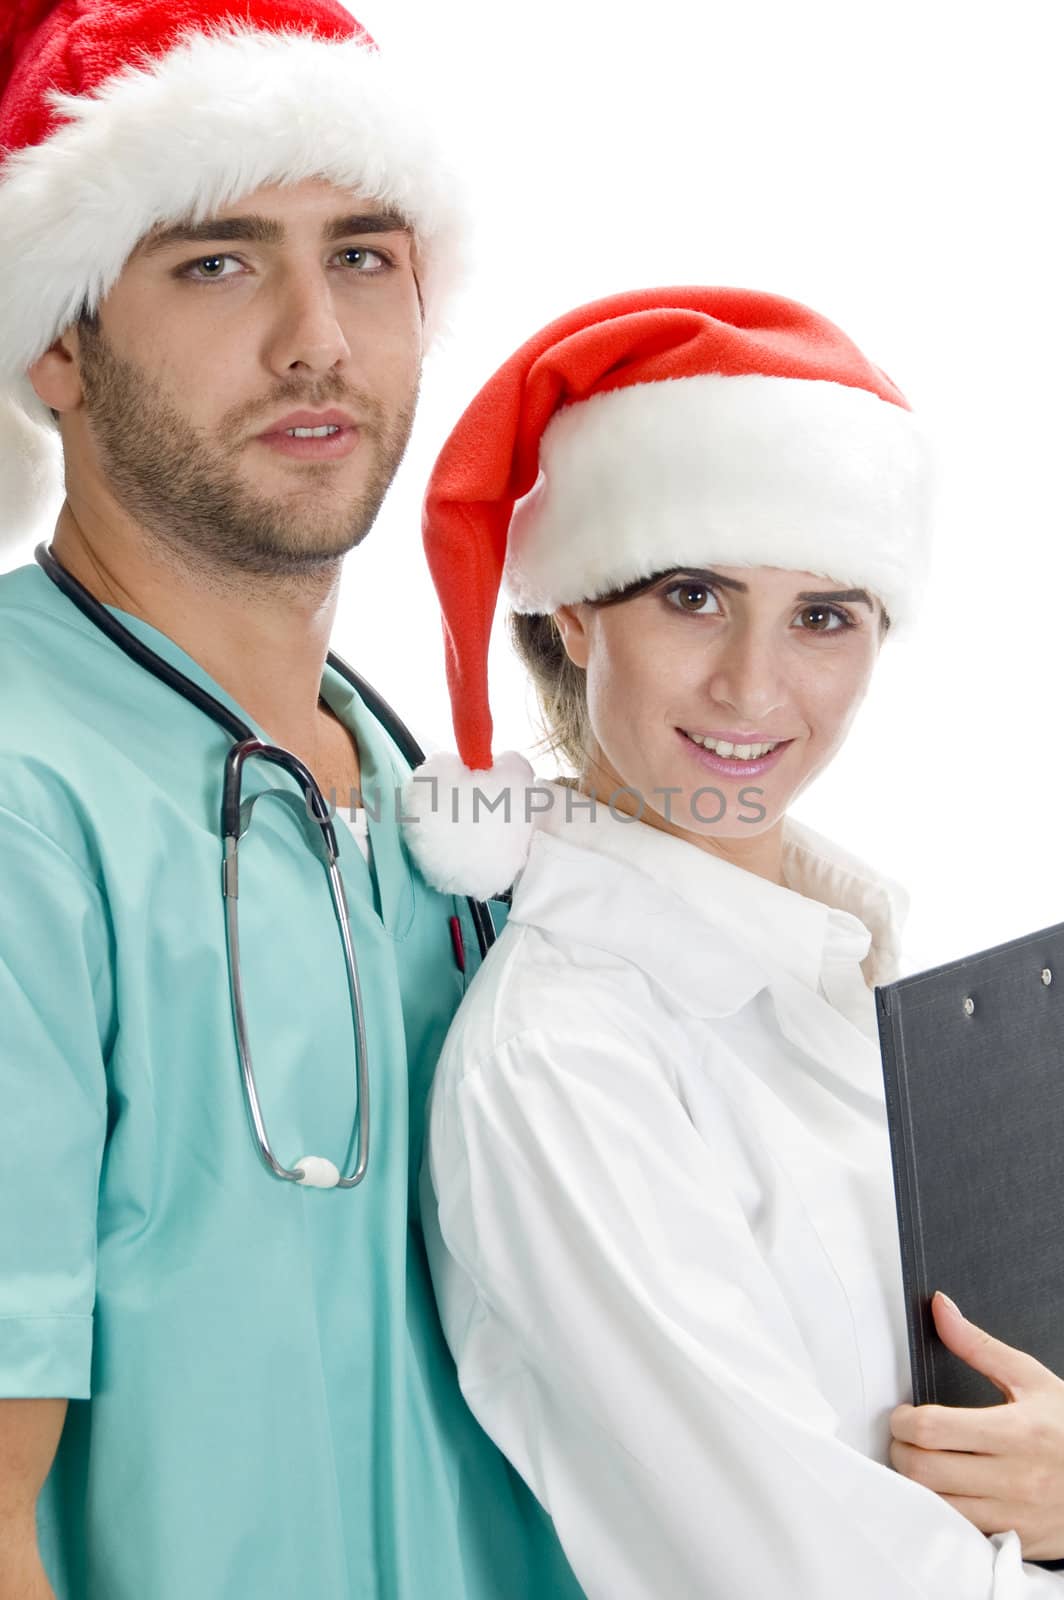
(252,230)
(819,595)
(264,230)
(368,222)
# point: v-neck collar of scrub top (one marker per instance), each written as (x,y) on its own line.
(836,917)
(386,883)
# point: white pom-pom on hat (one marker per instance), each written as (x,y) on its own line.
(469,830)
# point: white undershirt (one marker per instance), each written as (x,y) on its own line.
(357,825)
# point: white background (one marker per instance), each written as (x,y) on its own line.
(896,166)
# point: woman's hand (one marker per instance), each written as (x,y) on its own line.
(1000,1466)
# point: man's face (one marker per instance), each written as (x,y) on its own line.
(293,299)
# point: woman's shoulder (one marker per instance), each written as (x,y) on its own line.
(556,989)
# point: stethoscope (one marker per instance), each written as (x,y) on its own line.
(316,1172)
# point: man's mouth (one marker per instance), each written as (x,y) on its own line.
(329,441)
(308,423)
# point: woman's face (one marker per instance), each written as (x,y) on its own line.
(741,656)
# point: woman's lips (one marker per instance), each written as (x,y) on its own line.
(727,768)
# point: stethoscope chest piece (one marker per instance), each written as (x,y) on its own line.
(318,1172)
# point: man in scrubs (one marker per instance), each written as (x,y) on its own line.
(223,250)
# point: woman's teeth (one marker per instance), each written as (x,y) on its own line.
(734,752)
(311,433)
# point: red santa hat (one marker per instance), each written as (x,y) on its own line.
(657,429)
(118,115)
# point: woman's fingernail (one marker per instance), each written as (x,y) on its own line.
(951,1303)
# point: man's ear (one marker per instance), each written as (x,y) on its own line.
(570,622)
(56,376)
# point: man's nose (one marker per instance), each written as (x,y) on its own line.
(306,331)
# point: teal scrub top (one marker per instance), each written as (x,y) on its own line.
(262,1402)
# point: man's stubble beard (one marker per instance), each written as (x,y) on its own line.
(186,494)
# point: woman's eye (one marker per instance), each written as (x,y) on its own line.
(691,597)
(826,619)
(357,257)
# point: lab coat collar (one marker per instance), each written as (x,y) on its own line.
(583,868)
(850,892)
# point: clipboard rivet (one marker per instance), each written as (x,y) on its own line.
(1047,976)
(969,1005)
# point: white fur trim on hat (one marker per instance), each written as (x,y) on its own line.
(469,831)
(219,116)
(31,469)
(804,474)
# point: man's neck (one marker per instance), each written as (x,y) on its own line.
(262,639)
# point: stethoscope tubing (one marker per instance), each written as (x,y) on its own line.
(316,1171)
(378,707)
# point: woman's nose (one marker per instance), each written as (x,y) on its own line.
(746,675)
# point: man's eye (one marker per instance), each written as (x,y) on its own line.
(208,267)
(362,259)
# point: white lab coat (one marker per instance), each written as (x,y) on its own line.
(665,1247)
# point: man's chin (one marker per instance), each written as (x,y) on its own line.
(305,552)
(310,525)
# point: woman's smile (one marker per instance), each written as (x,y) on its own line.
(727,763)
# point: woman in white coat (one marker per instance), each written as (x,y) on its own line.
(664,1244)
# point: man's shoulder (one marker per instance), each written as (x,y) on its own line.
(54,753)
(40,714)
(39,641)
(28,597)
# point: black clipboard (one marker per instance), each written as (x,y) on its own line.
(973,1064)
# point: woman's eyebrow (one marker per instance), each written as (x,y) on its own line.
(821,595)
(861,595)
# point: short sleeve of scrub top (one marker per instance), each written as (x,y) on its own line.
(53,1095)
